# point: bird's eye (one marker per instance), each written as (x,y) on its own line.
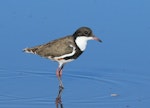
(86,32)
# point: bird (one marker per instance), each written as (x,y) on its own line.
(65,49)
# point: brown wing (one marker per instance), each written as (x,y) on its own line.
(55,48)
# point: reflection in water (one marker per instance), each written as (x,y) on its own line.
(58,98)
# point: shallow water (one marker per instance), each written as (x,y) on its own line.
(107,88)
(113,74)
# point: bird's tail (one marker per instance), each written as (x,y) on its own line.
(30,50)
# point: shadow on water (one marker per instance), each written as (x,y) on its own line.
(90,88)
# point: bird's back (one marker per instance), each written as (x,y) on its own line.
(54,48)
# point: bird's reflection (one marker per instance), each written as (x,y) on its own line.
(58,101)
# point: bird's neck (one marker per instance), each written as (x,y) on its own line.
(81,42)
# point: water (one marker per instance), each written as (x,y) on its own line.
(112,74)
(108,88)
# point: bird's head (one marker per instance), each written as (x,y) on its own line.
(86,33)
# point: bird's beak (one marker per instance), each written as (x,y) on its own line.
(97,39)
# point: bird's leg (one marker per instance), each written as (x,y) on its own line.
(59,75)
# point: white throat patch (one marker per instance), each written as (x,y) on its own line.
(81,42)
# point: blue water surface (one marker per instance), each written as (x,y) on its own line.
(112,74)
